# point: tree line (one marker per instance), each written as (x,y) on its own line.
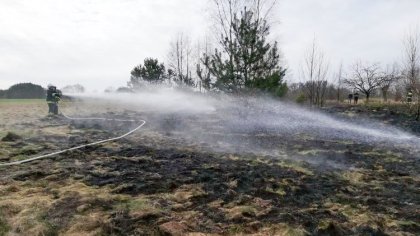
(34,91)
(400,80)
(244,59)
(23,91)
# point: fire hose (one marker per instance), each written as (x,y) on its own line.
(142,122)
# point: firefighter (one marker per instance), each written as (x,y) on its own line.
(350,97)
(53,97)
(356,97)
(409,96)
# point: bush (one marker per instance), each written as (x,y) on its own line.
(124,90)
(25,90)
(11,137)
(301,98)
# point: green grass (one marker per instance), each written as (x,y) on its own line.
(139,204)
(4,227)
(21,101)
(235,229)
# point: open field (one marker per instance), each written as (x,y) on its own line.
(188,174)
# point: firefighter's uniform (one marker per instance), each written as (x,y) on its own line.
(53,97)
(409,97)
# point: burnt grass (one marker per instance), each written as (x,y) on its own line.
(175,168)
(388,188)
(395,114)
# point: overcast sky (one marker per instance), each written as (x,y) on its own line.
(97,42)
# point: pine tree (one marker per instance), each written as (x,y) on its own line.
(152,72)
(247,61)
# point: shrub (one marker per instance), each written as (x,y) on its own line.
(301,98)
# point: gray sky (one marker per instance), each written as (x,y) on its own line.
(97,42)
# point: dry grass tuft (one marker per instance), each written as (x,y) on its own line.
(186,192)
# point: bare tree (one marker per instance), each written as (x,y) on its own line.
(339,78)
(391,75)
(412,65)
(180,60)
(202,71)
(366,78)
(315,71)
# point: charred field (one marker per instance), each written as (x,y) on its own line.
(225,171)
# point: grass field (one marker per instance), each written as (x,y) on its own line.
(158,182)
(21,101)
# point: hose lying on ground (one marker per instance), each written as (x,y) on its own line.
(81,146)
